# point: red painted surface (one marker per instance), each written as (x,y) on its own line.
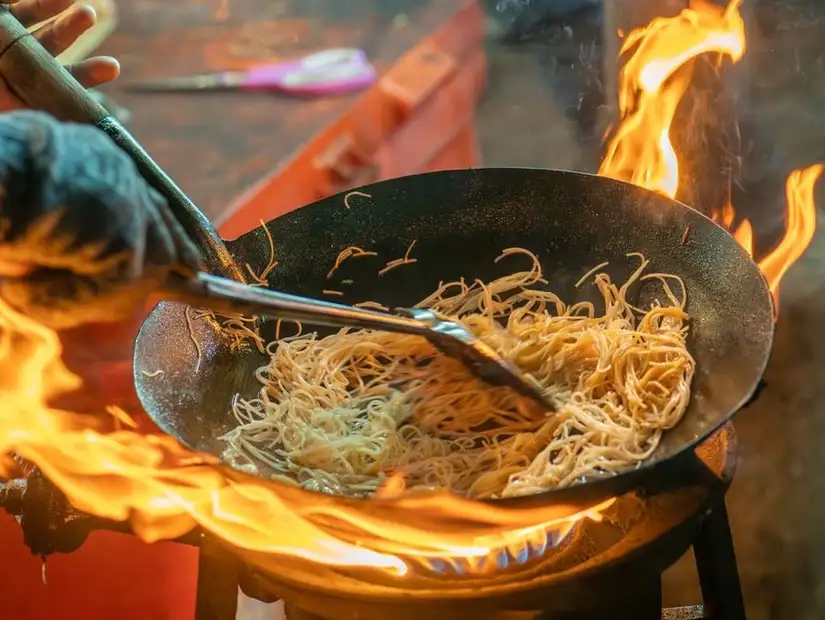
(111,577)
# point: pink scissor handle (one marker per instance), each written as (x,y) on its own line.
(328,72)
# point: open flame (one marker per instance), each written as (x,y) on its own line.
(653,81)
(799,227)
(164,490)
(651,85)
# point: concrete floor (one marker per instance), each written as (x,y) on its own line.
(777,502)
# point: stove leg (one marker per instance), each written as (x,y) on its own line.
(716,565)
(218,572)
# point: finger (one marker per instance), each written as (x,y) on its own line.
(59,35)
(95,71)
(31,12)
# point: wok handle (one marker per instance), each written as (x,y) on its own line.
(229,297)
(42,83)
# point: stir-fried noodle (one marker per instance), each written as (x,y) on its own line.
(348,412)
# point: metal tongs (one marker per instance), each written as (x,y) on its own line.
(227,296)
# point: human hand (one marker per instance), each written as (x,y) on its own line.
(83,238)
(56,37)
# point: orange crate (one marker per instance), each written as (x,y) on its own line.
(461,152)
(398,127)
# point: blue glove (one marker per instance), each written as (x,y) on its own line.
(83,238)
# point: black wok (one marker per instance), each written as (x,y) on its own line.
(461,220)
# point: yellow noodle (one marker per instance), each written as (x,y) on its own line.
(280,322)
(191,329)
(351,412)
(261,278)
(350,252)
(586,276)
(398,262)
(122,419)
(348,196)
(239,329)
(327,291)
(372,305)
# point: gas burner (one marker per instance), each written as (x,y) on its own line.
(590,571)
(514,557)
(535,548)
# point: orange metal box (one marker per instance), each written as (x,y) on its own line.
(410,121)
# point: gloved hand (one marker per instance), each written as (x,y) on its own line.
(83,238)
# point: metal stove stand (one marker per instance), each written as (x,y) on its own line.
(718,578)
(220,575)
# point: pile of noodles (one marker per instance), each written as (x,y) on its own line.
(349,412)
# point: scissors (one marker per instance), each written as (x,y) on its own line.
(329,72)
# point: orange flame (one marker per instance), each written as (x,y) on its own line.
(165,490)
(651,85)
(653,82)
(800,227)
(725,217)
(744,235)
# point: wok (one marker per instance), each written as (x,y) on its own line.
(461,220)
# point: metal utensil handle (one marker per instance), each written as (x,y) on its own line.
(42,83)
(227,296)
